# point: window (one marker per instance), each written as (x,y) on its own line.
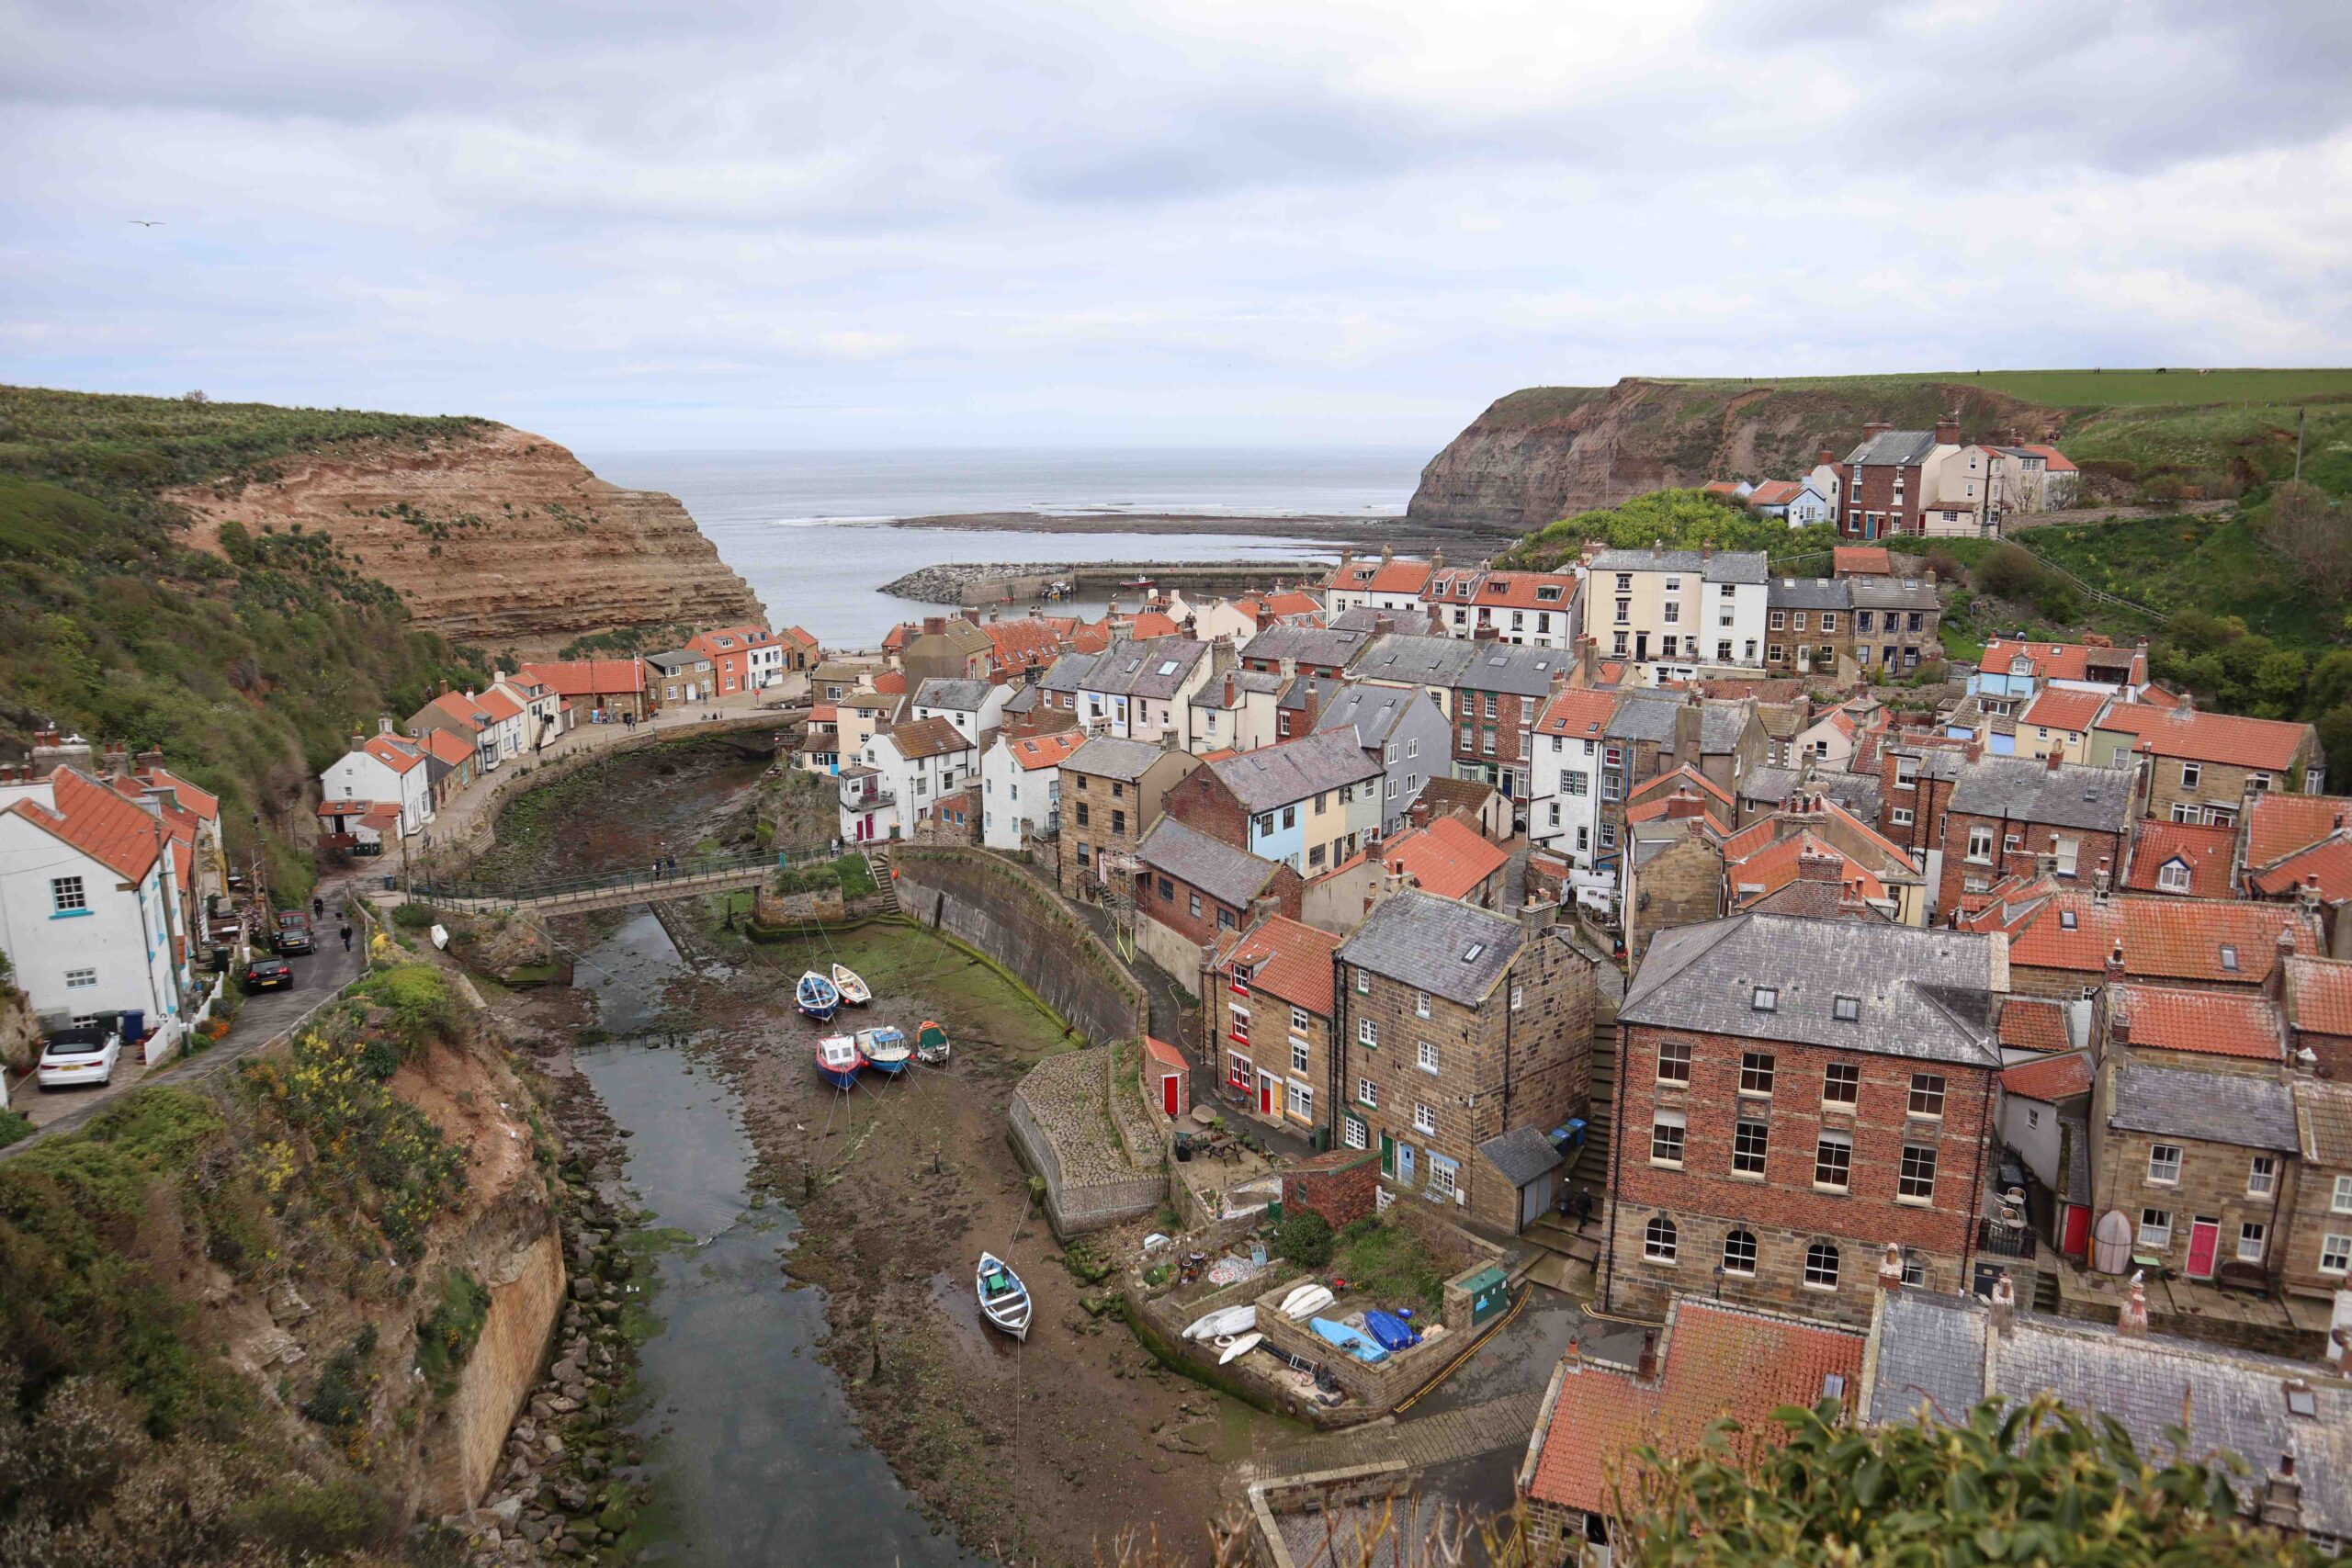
(1765,998)
(1351,1132)
(1798,624)
(1666,1131)
(1420,1004)
(1298,1055)
(1196,900)
(1980,844)
(2172,877)
(1518,998)
(2262,1177)
(1832,1162)
(2155,1229)
(80,979)
(1081,813)
(2335,1253)
(2341,1202)
(1915,1182)
(2230,958)
(1901,816)
(1776,653)
(1367,1093)
(1428,1057)
(1290,815)
(1300,1101)
(1748,1141)
(1830,620)
(1841,1085)
(2253,1240)
(1739,1253)
(2189,774)
(1573,783)
(1119,817)
(1846,1009)
(1674,1061)
(1755,1073)
(2164,1165)
(1298,1020)
(1240,1026)
(66,896)
(1821,1266)
(1442,1186)
(1424,1119)
(1926,1094)
(1367,1034)
(1364,982)
(1658,1240)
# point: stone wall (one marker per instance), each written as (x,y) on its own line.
(1063,1130)
(1006,914)
(498,1376)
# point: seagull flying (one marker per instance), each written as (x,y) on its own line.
(146,222)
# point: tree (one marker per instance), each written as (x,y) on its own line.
(1679,519)
(2035,1482)
(2279,683)
(2313,531)
(2008,572)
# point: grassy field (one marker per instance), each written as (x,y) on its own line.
(2077,388)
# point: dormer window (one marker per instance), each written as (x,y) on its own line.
(1765,998)
(1848,1009)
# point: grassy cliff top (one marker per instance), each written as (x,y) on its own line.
(2077,391)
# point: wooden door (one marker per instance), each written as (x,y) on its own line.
(1167,1095)
(2204,1241)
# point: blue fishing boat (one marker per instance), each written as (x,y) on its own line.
(886,1049)
(838,1060)
(1393,1332)
(1347,1339)
(819,998)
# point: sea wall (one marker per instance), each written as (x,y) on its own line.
(500,1373)
(1015,920)
(1061,1127)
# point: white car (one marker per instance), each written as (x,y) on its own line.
(82,1055)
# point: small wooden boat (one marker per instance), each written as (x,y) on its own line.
(884,1049)
(1224,1323)
(1004,1300)
(1239,1348)
(931,1045)
(838,1059)
(817,997)
(1306,1302)
(853,988)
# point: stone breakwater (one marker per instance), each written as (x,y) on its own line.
(945,583)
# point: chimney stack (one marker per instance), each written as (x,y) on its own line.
(1875,429)
(1947,433)
(2132,1323)
(1647,1371)
(1823,455)
(2115,962)
(2004,1301)
(2054,759)
(1820,866)
(933,624)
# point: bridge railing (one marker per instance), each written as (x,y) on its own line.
(615,882)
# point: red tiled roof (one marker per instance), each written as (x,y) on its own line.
(1289,959)
(1446,857)
(1869,560)
(1162,1052)
(397,752)
(1578,711)
(2319,995)
(2205,1024)
(895,640)
(201,802)
(589,677)
(96,821)
(1033,751)
(2062,707)
(2050,1080)
(824,713)
(383,817)
(800,635)
(1521,591)
(1655,810)
(1768,870)
(445,746)
(1023,642)
(1150,624)
(1400,577)
(2157,697)
(1720,487)
(1289,602)
(1665,783)
(2054,660)
(2205,850)
(2225,737)
(1774,492)
(1718,1363)
(2326,868)
(2031,1023)
(1612,672)
(1090,636)
(890,684)
(2052,460)
(2280,823)
(2164,939)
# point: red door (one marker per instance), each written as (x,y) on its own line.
(2204,1240)
(2076,1236)
(1265,1094)
(1167,1095)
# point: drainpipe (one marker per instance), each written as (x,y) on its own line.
(1976,1178)
(1616,1169)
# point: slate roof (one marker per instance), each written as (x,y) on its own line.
(1320,645)
(1417,660)
(1277,775)
(1894,594)
(1288,959)
(1930,1356)
(1068,673)
(1922,992)
(1899,448)
(1104,757)
(678,661)
(1371,713)
(1723,566)
(2028,789)
(1808,593)
(1715,1361)
(2220,1108)
(964,697)
(928,738)
(1230,876)
(1155,668)
(1513,670)
(1643,718)
(2205,1024)
(1521,1154)
(1435,945)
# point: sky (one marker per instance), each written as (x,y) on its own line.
(841,223)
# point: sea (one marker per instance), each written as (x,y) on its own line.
(810,531)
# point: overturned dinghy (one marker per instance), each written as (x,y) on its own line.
(1004,1300)
(1223,1322)
(1306,1302)
(1354,1342)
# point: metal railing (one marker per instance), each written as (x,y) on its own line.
(2004,1240)
(687,870)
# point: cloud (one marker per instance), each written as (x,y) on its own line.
(1060,220)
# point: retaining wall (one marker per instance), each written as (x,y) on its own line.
(1062,1130)
(1018,921)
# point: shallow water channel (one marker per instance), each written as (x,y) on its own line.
(750,1448)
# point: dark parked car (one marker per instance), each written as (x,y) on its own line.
(294,932)
(266,974)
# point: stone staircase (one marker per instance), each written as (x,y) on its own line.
(878,858)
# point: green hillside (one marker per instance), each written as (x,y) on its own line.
(249,674)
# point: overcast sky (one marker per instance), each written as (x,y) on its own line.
(850,222)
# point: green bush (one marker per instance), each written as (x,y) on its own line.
(414,917)
(13,1124)
(312,1519)
(446,1335)
(2008,572)
(1305,1238)
(340,1401)
(419,998)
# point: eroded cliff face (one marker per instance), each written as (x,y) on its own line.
(504,541)
(1547,452)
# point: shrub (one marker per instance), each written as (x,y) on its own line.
(13,1124)
(314,1519)
(341,1399)
(1305,1238)
(446,1335)
(2009,573)
(418,996)
(414,917)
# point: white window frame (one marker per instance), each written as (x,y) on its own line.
(1661,1242)
(2335,1253)
(2253,1241)
(1836,1268)
(1425,1120)
(2157,1165)
(2154,1233)
(1676,1123)
(2262,1176)
(1368,1094)
(1427,1058)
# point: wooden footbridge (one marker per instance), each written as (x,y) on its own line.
(547,899)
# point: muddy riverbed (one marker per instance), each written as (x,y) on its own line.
(820,1387)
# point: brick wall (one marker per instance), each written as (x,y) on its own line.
(1341,1186)
(1507,725)
(1705,1198)
(1870,487)
(1927,800)
(1202,803)
(2094,852)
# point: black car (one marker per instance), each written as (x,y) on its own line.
(294,932)
(263,974)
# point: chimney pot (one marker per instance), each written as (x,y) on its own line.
(2132,1323)
(1647,1369)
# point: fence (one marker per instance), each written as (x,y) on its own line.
(664,883)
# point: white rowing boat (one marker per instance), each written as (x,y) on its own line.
(1224,1322)
(1306,1302)
(1004,1300)
(853,987)
(1239,1349)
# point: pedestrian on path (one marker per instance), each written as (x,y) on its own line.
(346,939)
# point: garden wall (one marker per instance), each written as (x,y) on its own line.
(1063,1132)
(1022,924)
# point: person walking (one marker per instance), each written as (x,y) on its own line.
(346,939)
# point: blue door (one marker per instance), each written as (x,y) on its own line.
(1404,1164)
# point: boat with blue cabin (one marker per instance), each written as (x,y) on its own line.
(886,1049)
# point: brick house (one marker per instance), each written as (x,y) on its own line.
(1267,1016)
(948,647)
(1193,892)
(1112,791)
(2203,767)
(1674,873)
(1917,772)
(2067,944)
(2316,1255)
(1648,736)
(1792,1096)
(1456,1025)
(2015,815)
(1495,700)
(1449,859)
(1885,489)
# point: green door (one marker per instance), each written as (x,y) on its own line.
(1388,1155)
